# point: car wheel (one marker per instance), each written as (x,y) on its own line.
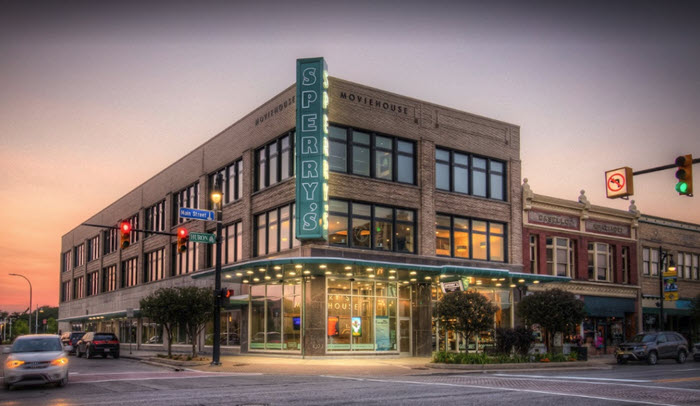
(63,382)
(652,358)
(681,357)
(88,354)
(621,360)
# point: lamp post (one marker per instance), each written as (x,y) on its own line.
(30,299)
(663,256)
(216,198)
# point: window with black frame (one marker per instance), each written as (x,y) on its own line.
(370,154)
(466,173)
(93,250)
(155,217)
(274,162)
(231,246)
(187,197)
(232,188)
(368,226)
(274,231)
(462,237)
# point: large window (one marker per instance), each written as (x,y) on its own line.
(369,226)
(625,264)
(599,261)
(129,273)
(469,174)
(111,240)
(231,247)
(274,231)
(533,254)
(93,250)
(274,162)
(184,262)
(153,268)
(93,283)
(187,197)
(275,316)
(687,265)
(155,217)
(79,287)
(650,261)
(370,154)
(233,182)
(462,237)
(67,263)
(134,222)
(65,291)
(362,316)
(109,278)
(560,256)
(79,255)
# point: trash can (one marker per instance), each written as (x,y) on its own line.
(582,353)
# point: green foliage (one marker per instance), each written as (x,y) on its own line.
(466,312)
(51,326)
(519,338)
(555,310)
(695,307)
(163,307)
(19,327)
(444,357)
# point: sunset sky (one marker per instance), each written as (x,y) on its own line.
(97,98)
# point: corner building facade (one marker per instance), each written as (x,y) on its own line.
(419,194)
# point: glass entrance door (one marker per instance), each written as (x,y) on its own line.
(405,320)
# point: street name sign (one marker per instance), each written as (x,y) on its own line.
(203,237)
(195,214)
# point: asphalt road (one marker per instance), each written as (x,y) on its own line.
(128,382)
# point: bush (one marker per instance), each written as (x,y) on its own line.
(519,338)
(444,357)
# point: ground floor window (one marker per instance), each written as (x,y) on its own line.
(275,316)
(230,329)
(151,332)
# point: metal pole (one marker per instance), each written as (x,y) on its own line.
(30,299)
(217,281)
(36,320)
(662,257)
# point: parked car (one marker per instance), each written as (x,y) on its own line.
(696,351)
(653,347)
(71,338)
(93,343)
(35,359)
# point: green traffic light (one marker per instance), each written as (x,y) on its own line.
(681,187)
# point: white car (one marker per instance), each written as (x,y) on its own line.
(36,359)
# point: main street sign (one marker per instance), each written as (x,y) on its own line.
(618,183)
(196,214)
(312,149)
(203,237)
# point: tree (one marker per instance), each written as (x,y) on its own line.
(198,309)
(695,315)
(163,307)
(555,310)
(466,312)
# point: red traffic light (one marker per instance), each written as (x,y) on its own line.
(125,227)
(182,232)
(182,239)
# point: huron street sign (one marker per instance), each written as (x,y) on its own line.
(203,237)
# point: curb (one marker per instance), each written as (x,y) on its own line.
(523,366)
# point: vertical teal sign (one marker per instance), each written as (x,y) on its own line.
(312,149)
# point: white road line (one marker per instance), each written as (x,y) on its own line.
(573,377)
(638,402)
(164,377)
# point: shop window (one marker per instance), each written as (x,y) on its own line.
(274,162)
(151,332)
(599,261)
(560,256)
(369,154)
(465,173)
(275,316)
(470,238)
(371,226)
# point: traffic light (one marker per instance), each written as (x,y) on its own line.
(182,239)
(125,230)
(226,293)
(684,174)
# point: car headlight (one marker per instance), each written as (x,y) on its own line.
(60,362)
(13,363)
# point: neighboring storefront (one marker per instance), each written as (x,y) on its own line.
(597,248)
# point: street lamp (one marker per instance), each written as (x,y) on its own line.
(671,267)
(216,198)
(30,298)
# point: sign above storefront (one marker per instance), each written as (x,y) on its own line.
(601,227)
(448,287)
(553,219)
(312,149)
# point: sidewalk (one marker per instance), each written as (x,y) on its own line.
(345,366)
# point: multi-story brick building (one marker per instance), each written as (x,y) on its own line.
(594,246)
(417,194)
(670,241)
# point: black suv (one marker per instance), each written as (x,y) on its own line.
(71,338)
(653,347)
(98,343)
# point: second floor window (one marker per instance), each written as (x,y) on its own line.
(599,261)
(78,287)
(466,173)
(187,197)
(650,261)
(79,255)
(233,182)
(184,262)
(560,257)
(109,278)
(155,217)
(93,251)
(274,162)
(231,246)
(65,291)
(67,264)
(275,231)
(111,237)
(370,154)
(687,265)
(93,283)
(129,273)
(153,266)
(462,237)
(133,235)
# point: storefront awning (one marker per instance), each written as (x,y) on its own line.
(99,316)
(282,268)
(598,306)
